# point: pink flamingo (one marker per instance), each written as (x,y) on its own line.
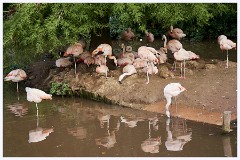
(36,95)
(83,56)
(102,69)
(140,63)
(127,71)
(150,54)
(63,62)
(176,33)
(182,55)
(174,46)
(127,35)
(106,50)
(226,44)
(16,75)
(162,56)
(149,37)
(75,50)
(172,90)
(89,60)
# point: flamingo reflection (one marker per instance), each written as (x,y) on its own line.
(109,139)
(151,145)
(39,134)
(18,109)
(179,135)
(78,132)
(130,122)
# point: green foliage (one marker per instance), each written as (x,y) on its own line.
(62,89)
(31,29)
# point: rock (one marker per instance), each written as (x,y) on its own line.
(210,66)
(164,72)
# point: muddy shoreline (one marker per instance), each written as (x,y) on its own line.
(211,88)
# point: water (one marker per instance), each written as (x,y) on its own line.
(75,127)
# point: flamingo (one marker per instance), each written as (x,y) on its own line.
(83,56)
(172,90)
(149,37)
(226,44)
(183,55)
(140,63)
(162,57)
(151,69)
(127,35)
(36,95)
(174,46)
(75,50)
(89,60)
(176,33)
(150,54)
(127,71)
(221,37)
(106,50)
(16,75)
(102,69)
(124,61)
(63,62)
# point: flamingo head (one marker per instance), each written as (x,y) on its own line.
(96,51)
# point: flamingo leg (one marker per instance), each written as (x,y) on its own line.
(174,66)
(75,65)
(17,87)
(227,60)
(37,119)
(37,109)
(181,70)
(184,64)
(147,74)
(175,99)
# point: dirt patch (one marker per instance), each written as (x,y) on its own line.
(211,88)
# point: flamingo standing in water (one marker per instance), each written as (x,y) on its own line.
(106,50)
(226,44)
(172,90)
(127,71)
(176,33)
(75,50)
(36,95)
(16,75)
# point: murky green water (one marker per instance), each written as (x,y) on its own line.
(75,127)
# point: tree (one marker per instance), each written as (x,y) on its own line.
(31,29)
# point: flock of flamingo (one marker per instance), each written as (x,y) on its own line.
(146,58)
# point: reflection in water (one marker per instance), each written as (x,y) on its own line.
(105,130)
(104,119)
(179,135)
(227,146)
(109,140)
(39,134)
(18,109)
(78,132)
(151,145)
(130,122)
